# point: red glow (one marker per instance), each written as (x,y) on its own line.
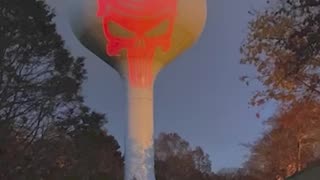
(139,18)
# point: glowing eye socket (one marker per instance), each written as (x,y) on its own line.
(159,29)
(119,31)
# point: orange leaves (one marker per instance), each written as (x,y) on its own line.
(283,52)
(302,114)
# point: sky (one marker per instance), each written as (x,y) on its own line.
(199,95)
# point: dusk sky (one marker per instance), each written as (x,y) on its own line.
(199,95)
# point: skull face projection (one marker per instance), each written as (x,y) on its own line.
(139,27)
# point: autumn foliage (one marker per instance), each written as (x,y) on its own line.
(283,46)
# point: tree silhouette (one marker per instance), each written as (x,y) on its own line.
(39,79)
(46,131)
(177,160)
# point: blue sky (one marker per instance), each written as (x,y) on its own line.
(199,95)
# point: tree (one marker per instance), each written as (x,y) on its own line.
(303,122)
(96,153)
(39,79)
(270,156)
(45,130)
(176,160)
(283,45)
(289,145)
(201,160)
(234,174)
(76,148)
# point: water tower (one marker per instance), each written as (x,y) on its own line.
(138,38)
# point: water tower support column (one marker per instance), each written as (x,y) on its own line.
(139,156)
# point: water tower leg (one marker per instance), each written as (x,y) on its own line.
(139,155)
